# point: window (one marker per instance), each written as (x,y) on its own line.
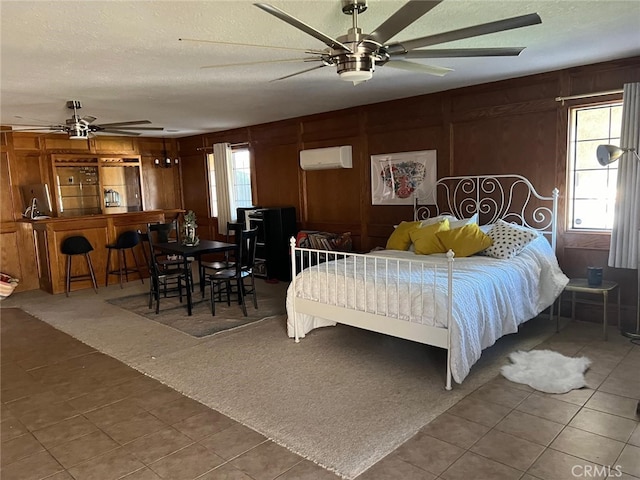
(591,187)
(240,188)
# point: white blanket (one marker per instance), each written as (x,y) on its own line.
(491,297)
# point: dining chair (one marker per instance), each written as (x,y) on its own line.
(166,276)
(166,233)
(222,280)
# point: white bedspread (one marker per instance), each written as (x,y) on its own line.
(491,297)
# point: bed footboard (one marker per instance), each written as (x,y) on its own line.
(403,298)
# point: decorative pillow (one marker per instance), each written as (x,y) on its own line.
(464,241)
(425,240)
(439,218)
(454,222)
(508,240)
(400,239)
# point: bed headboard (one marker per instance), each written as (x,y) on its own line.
(511,198)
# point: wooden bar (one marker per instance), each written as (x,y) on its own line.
(100,230)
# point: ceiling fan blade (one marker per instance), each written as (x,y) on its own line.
(461,52)
(119,132)
(418,67)
(89,119)
(122,124)
(298,73)
(237,44)
(284,16)
(34,119)
(31,125)
(100,129)
(401,19)
(474,31)
(29,129)
(284,60)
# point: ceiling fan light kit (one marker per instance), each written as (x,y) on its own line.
(356,54)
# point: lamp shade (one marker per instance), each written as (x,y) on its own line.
(608,154)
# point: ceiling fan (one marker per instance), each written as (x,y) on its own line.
(82,128)
(356,54)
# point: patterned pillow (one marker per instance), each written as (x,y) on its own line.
(508,240)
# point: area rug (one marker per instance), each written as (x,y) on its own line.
(202,323)
(547,371)
(343,398)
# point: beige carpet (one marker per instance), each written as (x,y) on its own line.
(202,323)
(343,398)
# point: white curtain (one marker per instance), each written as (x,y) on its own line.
(224,177)
(623,252)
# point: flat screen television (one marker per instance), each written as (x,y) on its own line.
(37,201)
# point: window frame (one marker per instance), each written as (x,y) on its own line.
(571,160)
(212,180)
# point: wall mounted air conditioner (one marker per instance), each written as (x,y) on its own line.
(326,158)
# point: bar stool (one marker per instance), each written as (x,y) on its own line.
(126,240)
(78,245)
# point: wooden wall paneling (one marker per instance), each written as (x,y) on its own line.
(63,143)
(26,141)
(516,93)
(518,143)
(333,196)
(10,208)
(405,114)
(283,132)
(277,175)
(196,184)
(22,267)
(334,126)
(114,145)
(605,76)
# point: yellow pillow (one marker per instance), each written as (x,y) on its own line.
(425,241)
(464,241)
(399,239)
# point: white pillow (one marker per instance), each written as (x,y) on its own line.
(463,222)
(439,218)
(454,222)
(508,240)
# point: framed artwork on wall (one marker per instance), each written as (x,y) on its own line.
(396,178)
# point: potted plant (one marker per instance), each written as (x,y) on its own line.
(189,234)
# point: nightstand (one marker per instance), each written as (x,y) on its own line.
(580,285)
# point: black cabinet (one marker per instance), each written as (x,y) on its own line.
(275,228)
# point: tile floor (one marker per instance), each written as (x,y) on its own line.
(70,412)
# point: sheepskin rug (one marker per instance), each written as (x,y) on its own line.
(546,370)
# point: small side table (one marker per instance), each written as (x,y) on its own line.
(581,285)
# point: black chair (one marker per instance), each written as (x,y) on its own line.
(126,241)
(245,260)
(166,276)
(233,233)
(166,233)
(78,245)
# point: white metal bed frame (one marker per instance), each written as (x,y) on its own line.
(493,197)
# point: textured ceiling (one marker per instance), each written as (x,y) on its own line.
(124,62)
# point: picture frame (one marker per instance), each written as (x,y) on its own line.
(397,178)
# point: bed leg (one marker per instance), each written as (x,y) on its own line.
(448,385)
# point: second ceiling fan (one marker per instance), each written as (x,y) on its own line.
(357,54)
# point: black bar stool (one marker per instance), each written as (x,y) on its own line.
(78,245)
(126,240)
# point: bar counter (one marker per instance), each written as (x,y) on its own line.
(100,230)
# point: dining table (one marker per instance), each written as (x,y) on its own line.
(187,252)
